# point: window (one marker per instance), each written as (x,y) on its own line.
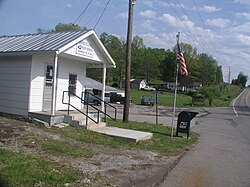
(72,84)
(49,75)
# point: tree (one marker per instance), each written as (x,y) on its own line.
(210,92)
(116,48)
(208,69)
(241,80)
(167,66)
(60,27)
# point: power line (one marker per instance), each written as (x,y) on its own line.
(183,22)
(95,14)
(194,29)
(102,13)
(204,26)
(80,16)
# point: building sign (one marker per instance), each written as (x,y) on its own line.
(85,48)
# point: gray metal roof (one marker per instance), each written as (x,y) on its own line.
(37,42)
(91,83)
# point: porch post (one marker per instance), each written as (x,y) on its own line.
(103,83)
(54,88)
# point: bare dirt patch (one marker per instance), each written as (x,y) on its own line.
(110,167)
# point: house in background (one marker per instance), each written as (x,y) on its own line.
(193,86)
(171,86)
(36,69)
(138,83)
(183,87)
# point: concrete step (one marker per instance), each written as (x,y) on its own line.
(124,133)
(61,125)
(93,126)
(79,116)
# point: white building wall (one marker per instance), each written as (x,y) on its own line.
(15,84)
(37,77)
(66,67)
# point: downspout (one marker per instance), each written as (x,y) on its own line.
(103,83)
(54,88)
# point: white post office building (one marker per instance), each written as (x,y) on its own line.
(36,69)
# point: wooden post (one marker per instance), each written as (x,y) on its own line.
(128,63)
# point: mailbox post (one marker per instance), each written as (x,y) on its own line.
(183,122)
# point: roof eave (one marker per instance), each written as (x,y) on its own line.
(21,53)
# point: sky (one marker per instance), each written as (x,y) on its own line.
(220,28)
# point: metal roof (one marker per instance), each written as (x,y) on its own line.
(91,83)
(38,42)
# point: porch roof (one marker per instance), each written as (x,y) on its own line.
(93,84)
(52,42)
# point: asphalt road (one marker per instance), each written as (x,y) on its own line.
(222,156)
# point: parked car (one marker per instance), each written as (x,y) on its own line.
(150,101)
(114,98)
(95,99)
(148,88)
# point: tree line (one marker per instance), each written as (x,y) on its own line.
(159,64)
(154,64)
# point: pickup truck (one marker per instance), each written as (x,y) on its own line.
(95,99)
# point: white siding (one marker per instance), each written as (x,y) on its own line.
(37,77)
(66,67)
(15,84)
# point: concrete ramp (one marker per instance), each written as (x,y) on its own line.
(124,133)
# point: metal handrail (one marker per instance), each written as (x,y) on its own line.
(87,107)
(105,106)
(69,104)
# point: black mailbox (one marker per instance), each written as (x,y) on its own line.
(183,123)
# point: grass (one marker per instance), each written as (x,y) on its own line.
(66,149)
(161,141)
(20,169)
(164,98)
(227,93)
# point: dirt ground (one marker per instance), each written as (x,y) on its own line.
(115,167)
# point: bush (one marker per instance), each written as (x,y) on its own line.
(115,84)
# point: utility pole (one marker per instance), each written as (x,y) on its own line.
(128,62)
(229,74)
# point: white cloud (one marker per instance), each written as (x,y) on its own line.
(170,20)
(155,41)
(148,13)
(246,2)
(188,23)
(148,24)
(219,22)
(69,5)
(122,15)
(245,15)
(209,9)
(244,39)
(241,28)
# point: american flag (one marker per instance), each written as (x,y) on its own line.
(181,59)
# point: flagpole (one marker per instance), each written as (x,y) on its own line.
(175,90)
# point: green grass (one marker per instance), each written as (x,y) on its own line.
(227,93)
(20,169)
(161,141)
(66,149)
(164,98)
